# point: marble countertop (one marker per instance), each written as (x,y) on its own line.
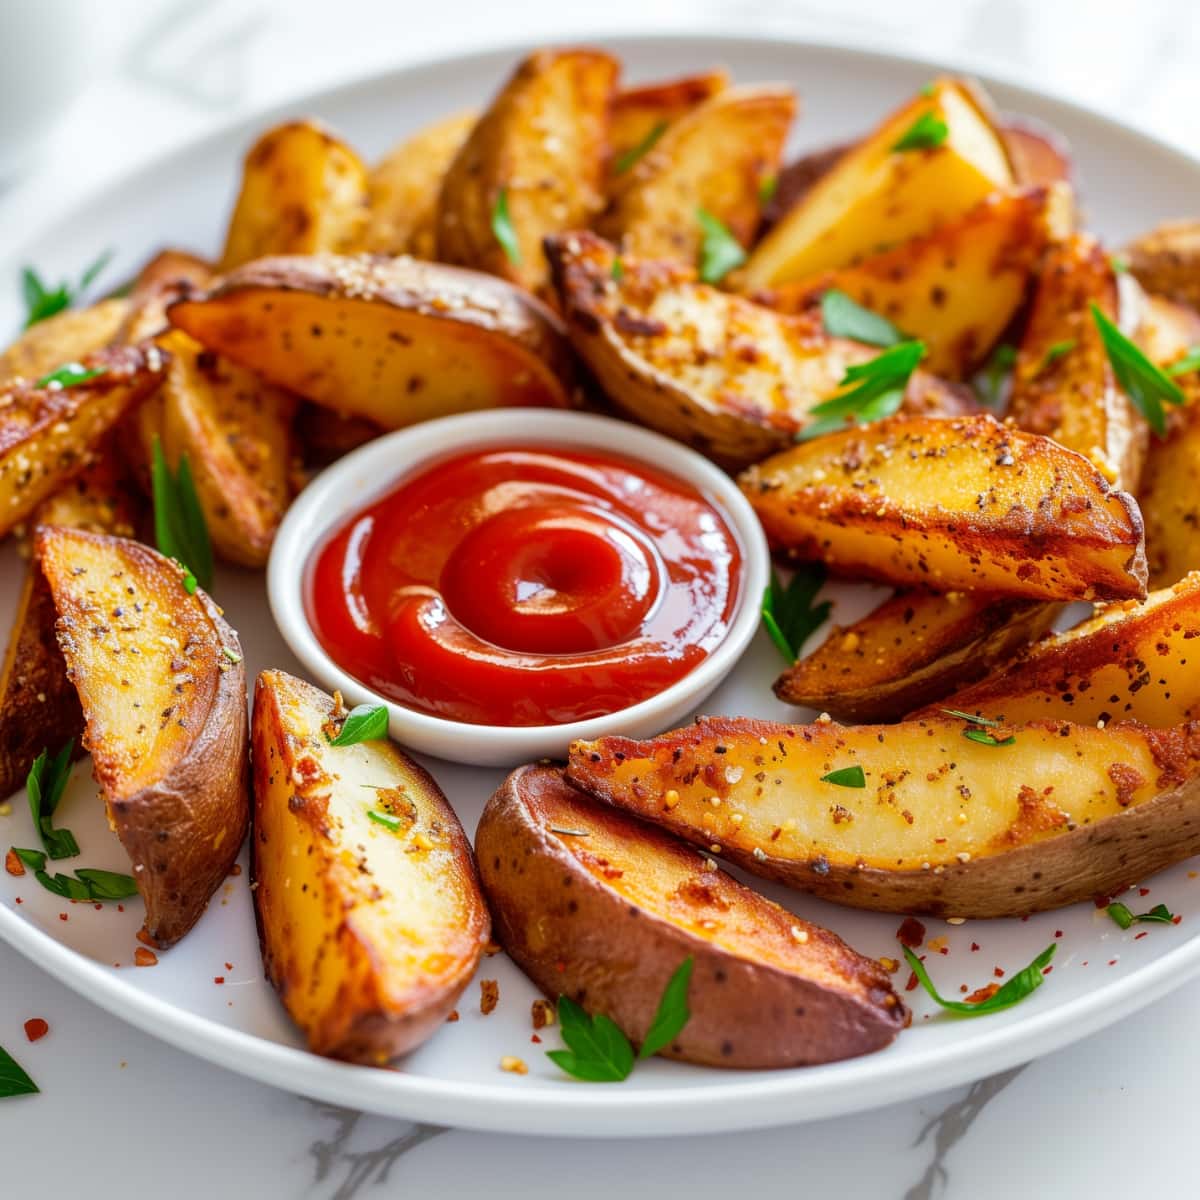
(1110,1116)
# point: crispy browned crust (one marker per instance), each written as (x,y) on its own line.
(181,817)
(787,993)
(916,647)
(1167,261)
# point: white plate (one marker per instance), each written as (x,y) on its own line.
(1100,974)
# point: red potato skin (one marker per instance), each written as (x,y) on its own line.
(575,934)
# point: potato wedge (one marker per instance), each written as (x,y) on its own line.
(1039,155)
(715,159)
(607,917)
(394,340)
(304,191)
(1169,499)
(1130,661)
(1063,385)
(66,337)
(1167,261)
(640,115)
(403,188)
(541,152)
(48,435)
(730,377)
(160,678)
(876,197)
(957,288)
(914,648)
(1166,331)
(942,825)
(960,504)
(369,933)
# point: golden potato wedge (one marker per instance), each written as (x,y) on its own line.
(393,340)
(730,377)
(1130,661)
(876,196)
(65,337)
(911,650)
(715,159)
(1040,156)
(594,905)
(403,188)
(1063,384)
(160,678)
(1167,261)
(957,288)
(1170,500)
(304,191)
(1166,331)
(167,277)
(48,435)
(940,824)
(960,504)
(539,153)
(371,926)
(640,115)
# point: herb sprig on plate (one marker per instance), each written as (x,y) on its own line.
(1148,387)
(720,251)
(45,784)
(1121,914)
(179,527)
(872,390)
(363,723)
(843,316)
(789,614)
(88,883)
(14,1079)
(1024,983)
(42,301)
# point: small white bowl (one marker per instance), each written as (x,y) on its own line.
(356,479)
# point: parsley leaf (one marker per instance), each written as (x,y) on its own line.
(1013,992)
(851,777)
(789,614)
(387,820)
(1189,362)
(1120,913)
(45,783)
(502,227)
(88,883)
(987,739)
(42,302)
(107,885)
(69,374)
(634,153)
(927,132)
(672,1013)
(991,381)
(845,317)
(720,251)
(1147,387)
(179,527)
(14,1080)
(617,270)
(1055,352)
(363,723)
(873,390)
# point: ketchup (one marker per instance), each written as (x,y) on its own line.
(515,586)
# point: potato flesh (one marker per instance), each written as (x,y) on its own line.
(65,337)
(639,113)
(1170,501)
(931,794)
(953,504)
(875,197)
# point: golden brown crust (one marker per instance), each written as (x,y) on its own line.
(65,337)
(1167,261)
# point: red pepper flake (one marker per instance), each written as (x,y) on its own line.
(97,906)
(1058,933)
(984,993)
(1176,919)
(144,958)
(911,933)
(974,947)
(13,865)
(1084,963)
(533,1037)
(1047,970)
(453,1016)
(998,972)
(962,987)
(36,1029)
(1137,937)
(1112,962)
(229,966)
(120,908)
(912,981)
(63,917)
(1143,891)
(19,900)
(1025,917)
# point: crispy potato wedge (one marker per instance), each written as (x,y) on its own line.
(1166,331)
(65,337)
(1167,261)
(640,115)
(160,678)
(168,276)
(942,825)
(1169,499)
(716,158)
(403,188)
(394,340)
(911,650)
(961,504)
(876,197)
(541,148)
(49,435)
(369,933)
(797,178)
(957,288)
(730,377)
(1130,661)
(1063,384)
(607,917)
(304,191)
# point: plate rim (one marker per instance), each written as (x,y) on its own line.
(759,1102)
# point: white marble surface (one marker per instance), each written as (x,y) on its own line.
(1109,1117)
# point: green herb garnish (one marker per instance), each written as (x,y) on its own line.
(42,302)
(88,883)
(363,723)
(986,739)
(789,614)
(617,270)
(845,317)
(1055,352)
(45,784)
(1120,913)
(179,527)
(767,190)
(232,655)
(990,383)
(69,374)
(1013,992)
(14,1080)
(634,153)
(600,1052)
(1147,387)
(1119,263)
(927,132)
(502,227)
(387,820)
(851,777)
(873,390)
(1189,362)
(720,251)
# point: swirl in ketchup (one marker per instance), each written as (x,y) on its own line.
(515,586)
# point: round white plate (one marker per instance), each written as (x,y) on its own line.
(1100,974)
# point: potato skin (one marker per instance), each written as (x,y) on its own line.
(584,933)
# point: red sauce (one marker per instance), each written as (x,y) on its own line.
(516,586)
